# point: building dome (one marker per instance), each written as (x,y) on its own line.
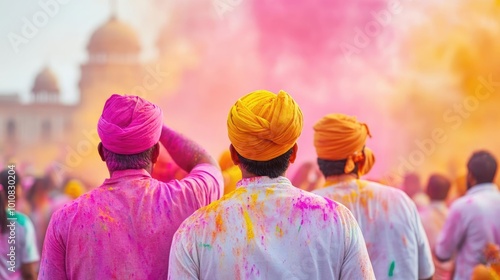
(46,82)
(114,37)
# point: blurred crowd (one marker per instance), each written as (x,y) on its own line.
(39,196)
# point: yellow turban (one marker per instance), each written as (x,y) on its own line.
(342,137)
(74,188)
(263,125)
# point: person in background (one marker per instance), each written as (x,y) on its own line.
(123,229)
(267,228)
(17,232)
(473,223)
(389,220)
(74,188)
(308,177)
(230,172)
(433,217)
(413,188)
(166,169)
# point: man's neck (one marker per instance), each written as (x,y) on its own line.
(245,174)
(334,179)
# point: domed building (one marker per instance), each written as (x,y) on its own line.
(44,120)
(44,128)
(46,87)
(113,63)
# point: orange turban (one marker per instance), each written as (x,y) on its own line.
(342,137)
(263,125)
(225,160)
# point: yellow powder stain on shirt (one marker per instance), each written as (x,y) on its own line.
(279,231)
(269,191)
(214,206)
(219,223)
(249,225)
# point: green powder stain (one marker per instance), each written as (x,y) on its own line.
(300,227)
(205,245)
(391,269)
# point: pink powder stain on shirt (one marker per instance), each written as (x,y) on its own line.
(126,225)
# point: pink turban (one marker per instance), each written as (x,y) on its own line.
(129,124)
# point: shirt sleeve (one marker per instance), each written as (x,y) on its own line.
(53,264)
(30,250)
(203,185)
(182,263)
(452,234)
(357,263)
(426,267)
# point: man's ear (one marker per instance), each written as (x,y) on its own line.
(101,151)
(293,156)
(234,155)
(156,152)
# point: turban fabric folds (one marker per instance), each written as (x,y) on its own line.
(129,124)
(263,125)
(342,137)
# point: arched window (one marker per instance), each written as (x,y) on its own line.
(46,130)
(11,129)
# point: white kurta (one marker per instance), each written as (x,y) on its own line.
(268,229)
(391,226)
(472,223)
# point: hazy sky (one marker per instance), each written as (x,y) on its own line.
(61,42)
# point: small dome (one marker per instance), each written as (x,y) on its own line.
(114,37)
(46,81)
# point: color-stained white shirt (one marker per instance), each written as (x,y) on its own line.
(433,218)
(391,226)
(472,223)
(268,229)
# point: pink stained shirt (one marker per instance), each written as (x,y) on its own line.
(124,228)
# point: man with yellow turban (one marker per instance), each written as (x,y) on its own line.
(267,228)
(124,228)
(389,220)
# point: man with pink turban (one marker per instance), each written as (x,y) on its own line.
(267,228)
(389,220)
(124,228)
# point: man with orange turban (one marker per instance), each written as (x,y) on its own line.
(124,228)
(389,220)
(267,228)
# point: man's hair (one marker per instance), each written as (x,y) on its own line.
(438,187)
(334,167)
(272,168)
(482,166)
(122,162)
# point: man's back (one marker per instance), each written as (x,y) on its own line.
(124,228)
(472,223)
(394,236)
(268,229)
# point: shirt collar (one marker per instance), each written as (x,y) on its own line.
(121,175)
(262,181)
(482,187)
